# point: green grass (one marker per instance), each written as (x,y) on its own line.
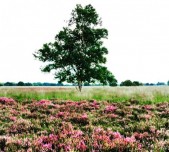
(112,94)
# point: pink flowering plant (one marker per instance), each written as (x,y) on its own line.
(57,125)
(5,100)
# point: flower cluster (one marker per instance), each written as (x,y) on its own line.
(113,141)
(110,108)
(44,103)
(66,139)
(5,100)
(56,125)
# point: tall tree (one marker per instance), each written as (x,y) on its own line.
(78,54)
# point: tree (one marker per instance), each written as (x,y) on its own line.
(9,84)
(78,54)
(20,83)
(130,83)
(137,83)
(111,80)
(28,84)
(168,83)
(59,84)
(160,83)
(126,83)
(37,84)
(86,84)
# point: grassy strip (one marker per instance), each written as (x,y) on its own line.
(145,95)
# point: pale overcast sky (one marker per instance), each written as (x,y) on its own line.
(138,40)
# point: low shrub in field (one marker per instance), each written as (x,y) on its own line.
(5,100)
(20,126)
(55,125)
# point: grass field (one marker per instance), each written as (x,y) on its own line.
(145,95)
(99,119)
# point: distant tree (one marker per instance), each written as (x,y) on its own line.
(1,84)
(149,84)
(9,84)
(137,83)
(48,84)
(20,83)
(28,84)
(126,83)
(37,84)
(78,54)
(168,83)
(59,84)
(86,84)
(160,83)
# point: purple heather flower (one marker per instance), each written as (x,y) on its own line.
(110,108)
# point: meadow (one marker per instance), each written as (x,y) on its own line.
(98,119)
(144,94)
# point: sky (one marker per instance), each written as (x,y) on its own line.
(138,41)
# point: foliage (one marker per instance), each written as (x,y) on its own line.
(149,84)
(137,83)
(20,83)
(112,82)
(57,125)
(78,54)
(28,84)
(9,84)
(160,84)
(126,83)
(130,83)
(86,84)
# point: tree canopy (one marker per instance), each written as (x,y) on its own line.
(77,55)
(130,83)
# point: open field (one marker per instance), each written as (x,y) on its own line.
(100,119)
(143,94)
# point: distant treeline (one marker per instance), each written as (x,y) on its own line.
(20,83)
(123,83)
(137,83)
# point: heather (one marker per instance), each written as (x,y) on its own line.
(87,125)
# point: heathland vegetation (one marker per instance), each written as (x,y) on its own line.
(98,119)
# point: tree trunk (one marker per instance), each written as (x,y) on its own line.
(80,85)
